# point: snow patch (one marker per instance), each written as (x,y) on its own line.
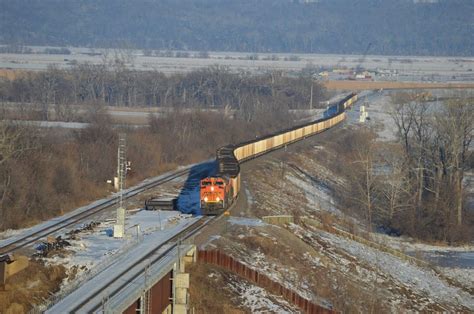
(93,251)
(424,281)
(257,299)
(318,196)
(246,222)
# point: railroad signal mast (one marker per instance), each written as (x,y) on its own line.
(122,167)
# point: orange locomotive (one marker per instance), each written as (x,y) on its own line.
(219,192)
(216,194)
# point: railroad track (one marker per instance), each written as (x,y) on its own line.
(135,269)
(245,153)
(119,279)
(152,258)
(124,276)
(50,228)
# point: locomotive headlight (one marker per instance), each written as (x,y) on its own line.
(212,189)
(205,199)
(218,199)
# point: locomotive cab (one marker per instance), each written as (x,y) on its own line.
(213,194)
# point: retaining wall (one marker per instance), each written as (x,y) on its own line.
(223,260)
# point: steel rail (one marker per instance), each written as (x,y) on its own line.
(47,230)
(175,241)
(185,234)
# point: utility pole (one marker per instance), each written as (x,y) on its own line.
(282,178)
(119,227)
(311,98)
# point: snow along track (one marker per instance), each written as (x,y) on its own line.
(240,153)
(51,226)
(117,277)
(118,280)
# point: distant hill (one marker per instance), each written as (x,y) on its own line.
(400,27)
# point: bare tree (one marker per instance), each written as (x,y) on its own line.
(395,184)
(10,141)
(456,127)
(14,141)
(363,182)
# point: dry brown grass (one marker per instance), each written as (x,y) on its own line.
(11,74)
(364,85)
(350,296)
(207,295)
(30,287)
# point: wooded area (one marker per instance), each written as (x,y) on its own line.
(395,27)
(113,84)
(45,172)
(416,186)
(413,187)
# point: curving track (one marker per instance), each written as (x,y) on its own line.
(54,225)
(111,282)
(124,273)
(228,159)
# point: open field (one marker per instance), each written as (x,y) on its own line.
(10,73)
(408,67)
(365,85)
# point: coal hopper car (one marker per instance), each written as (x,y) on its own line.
(219,192)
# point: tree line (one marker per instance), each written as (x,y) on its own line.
(397,27)
(114,84)
(46,172)
(416,186)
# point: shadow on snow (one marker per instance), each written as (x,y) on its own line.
(188,198)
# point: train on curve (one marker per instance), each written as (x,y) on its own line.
(217,193)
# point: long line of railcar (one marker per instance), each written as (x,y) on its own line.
(219,192)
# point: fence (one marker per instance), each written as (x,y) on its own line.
(221,259)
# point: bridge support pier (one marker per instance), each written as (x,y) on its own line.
(168,293)
(181,282)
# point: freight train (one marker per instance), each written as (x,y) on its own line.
(217,193)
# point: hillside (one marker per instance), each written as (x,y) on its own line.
(398,27)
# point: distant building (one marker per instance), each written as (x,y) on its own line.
(324,74)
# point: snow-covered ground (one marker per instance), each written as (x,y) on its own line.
(257,299)
(185,187)
(246,221)
(423,281)
(454,262)
(406,244)
(94,247)
(378,106)
(96,252)
(409,68)
(373,267)
(13,235)
(316,193)
(352,273)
